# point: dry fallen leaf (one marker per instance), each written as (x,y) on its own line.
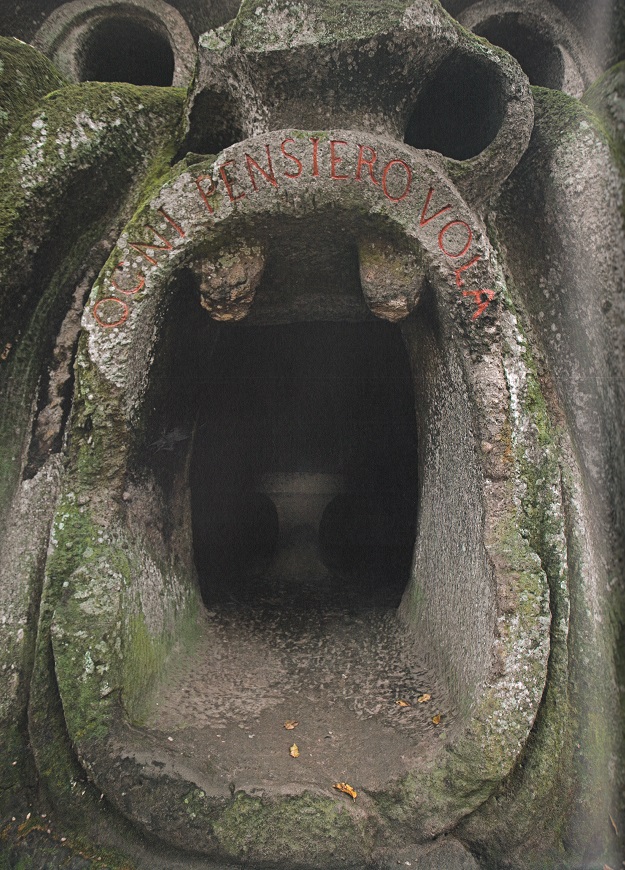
(614,825)
(346,789)
(290,724)
(436,719)
(294,751)
(402,703)
(423,698)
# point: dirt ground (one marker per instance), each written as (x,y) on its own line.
(336,668)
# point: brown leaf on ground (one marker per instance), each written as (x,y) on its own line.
(423,699)
(614,825)
(294,751)
(401,703)
(290,724)
(437,719)
(346,789)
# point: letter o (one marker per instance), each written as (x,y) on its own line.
(445,229)
(385,172)
(120,321)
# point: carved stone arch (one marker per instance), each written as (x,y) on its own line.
(477,602)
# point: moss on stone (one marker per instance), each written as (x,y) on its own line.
(25,77)
(302,831)
(560,116)
(606,98)
(289,22)
(145,657)
(60,193)
(74,158)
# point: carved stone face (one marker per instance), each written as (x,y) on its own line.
(314,470)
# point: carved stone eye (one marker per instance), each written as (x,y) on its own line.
(543,41)
(134,41)
(459,110)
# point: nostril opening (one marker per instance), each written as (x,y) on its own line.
(459,111)
(539,58)
(125,50)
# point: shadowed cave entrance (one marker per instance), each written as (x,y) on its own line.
(304,498)
(303,477)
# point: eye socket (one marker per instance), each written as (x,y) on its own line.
(538,56)
(127,50)
(460,110)
(138,42)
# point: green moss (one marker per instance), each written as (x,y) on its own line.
(561,116)
(74,159)
(25,77)
(606,98)
(307,828)
(145,657)
(28,845)
(330,20)
(52,216)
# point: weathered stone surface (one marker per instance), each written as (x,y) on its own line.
(392,281)
(340,177)
(573,309)
(245,86)
(447,853)
(25,77)
(227,287)
(548,47)
(66,34)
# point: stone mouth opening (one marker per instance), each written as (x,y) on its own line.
(303,498)
(123,49)
(303,476)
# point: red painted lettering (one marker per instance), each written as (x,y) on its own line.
(458,272)
(293,158)
(315,156)
(142,247)
(138,286)
(335,159)
(170,220)
(385,173)
(113,318)
(228,183)
(425,220)
(266,173)
(205,194)
(369,163)
(446,228)
(482,299)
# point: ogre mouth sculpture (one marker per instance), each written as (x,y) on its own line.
(324,505)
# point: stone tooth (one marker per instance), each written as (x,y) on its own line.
(228,283)
(392,280)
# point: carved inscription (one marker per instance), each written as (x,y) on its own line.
(343,162)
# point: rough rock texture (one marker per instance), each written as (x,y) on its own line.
(66,35)
(550,50)
(25,77)
(330,161)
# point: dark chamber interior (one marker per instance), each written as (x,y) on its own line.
(125,50)
(538,57)
(460,110)
(322,406)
